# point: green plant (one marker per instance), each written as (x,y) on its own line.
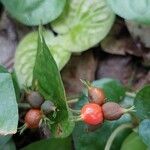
(62,119)
(32,12)
(132,10)
(27,49)
(102,117)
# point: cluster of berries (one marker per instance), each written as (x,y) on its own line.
(97,110)
(92,113)
(39,108)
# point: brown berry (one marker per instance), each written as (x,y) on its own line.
(96,95)
(32,118)
(113,111)
(35,99)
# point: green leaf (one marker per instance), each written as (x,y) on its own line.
(132,10)
(144,131)
(96,140)
(83,24)
(27,50)
(52,143)
(10,145)
(8,105)
(34,12)
(113,89)
(16,85)
(142,103)
(133,142)
(3,69)
(48,80)
(4,139)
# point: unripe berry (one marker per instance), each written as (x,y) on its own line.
(33,118)
(113,111)
(96,95)
(48,107)
(35,99)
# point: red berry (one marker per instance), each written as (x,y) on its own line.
(96,95)
(91,113)
(32,118)
(113,111)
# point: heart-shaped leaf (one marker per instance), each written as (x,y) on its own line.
(132,9)
(83,24)
(34,12)
(8,105)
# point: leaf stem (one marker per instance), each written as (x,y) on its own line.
(114,134)
(72,101)
(24,105)
(131,94)
(75,111)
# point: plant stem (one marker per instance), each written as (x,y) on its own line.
(130,94)
(75,111)
(24,105)
(86,83)
(72,101)
(114,134)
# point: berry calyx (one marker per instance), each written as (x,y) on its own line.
(35,99)
(33,118)
(48,107)
(113,111)
(91,114)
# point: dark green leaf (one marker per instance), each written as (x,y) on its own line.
(50,144)
(27,49)
(3,69)
(113,89)
(16,85)
(133,142)
(132,10)
(8,105)
(10,145)
(96,140)
(34,12)
(142,103)
(144,131)
(47,78)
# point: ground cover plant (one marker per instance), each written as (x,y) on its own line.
(77,77)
